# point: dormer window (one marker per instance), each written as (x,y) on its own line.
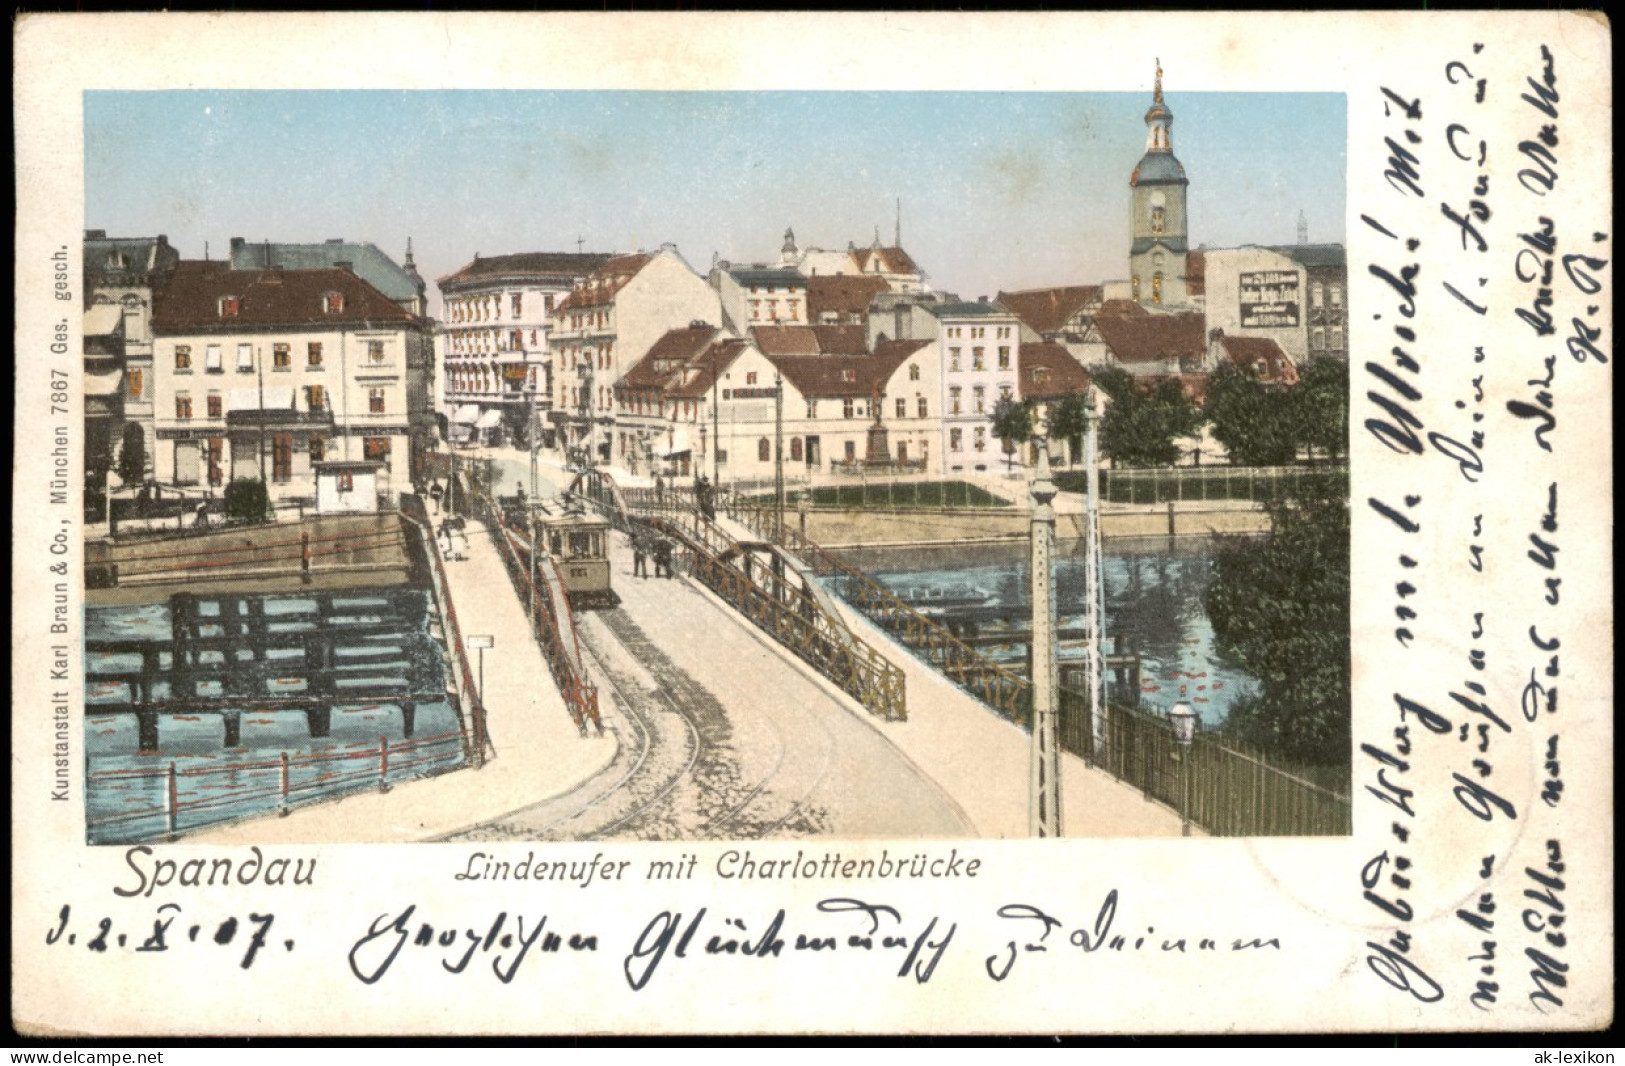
(333,303)
(229,306)
(849,375)
(116,261)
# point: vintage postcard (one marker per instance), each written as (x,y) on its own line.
(818,524)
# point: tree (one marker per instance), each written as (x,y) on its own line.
(1280,611)
(1142,425)
(1321,404)
(247,501)
(1069,420)
(132,457)
(1012,424)
(1258,425)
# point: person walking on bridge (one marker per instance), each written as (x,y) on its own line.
(640,557)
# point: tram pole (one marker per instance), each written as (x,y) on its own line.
(1044,781)
(1094,585)
(778,454)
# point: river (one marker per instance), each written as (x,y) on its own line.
(1154,606)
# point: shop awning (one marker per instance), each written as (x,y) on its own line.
(489,420)
(107,384)
(467,413)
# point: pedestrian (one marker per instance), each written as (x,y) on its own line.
(663,558)
(202,520)
(660,489)
(640,564)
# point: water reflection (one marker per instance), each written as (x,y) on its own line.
(1154,606)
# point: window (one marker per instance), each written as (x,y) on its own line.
(921,408)
(318,449)
(1005,393)
(953,400)
(1135,285)
(375,352)
(229,306)
(183,406)
(953,358)
(1158,219)
(1004,358)
(375,401)
(282,457)
(977,332)
(981,438)
(750,377)
(1337,338)
(214,450)
(914,371)
(333,303)
(1156,288)
(136,383)
(1337,295)
(956,440)
(812,408)
(345,480)
(851,451)
(981,399)
(1004,331)
(315,397)
(280,359)
(375,449)
(518,304)
(516,340)
(1317,339)
(214,405)
(547,302)
(902,408)
(846,408)
(245,359)
(764,450)
(1316,295)
(211,359)
(183,357)
(795,449)
(976,360)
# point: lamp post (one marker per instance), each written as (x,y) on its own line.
(1184,723)
(778,451)
(1044,781)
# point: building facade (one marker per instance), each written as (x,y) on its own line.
(265,374)
(125,272)
(606,324)
(494,343)
(978,353)
(1295,295)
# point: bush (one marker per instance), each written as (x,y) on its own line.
(247,501)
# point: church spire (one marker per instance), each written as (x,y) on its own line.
(1157,96)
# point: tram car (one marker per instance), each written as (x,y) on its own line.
(579,544)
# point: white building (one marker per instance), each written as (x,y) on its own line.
(267,373)
(493,343)
(977,351)
(605,325)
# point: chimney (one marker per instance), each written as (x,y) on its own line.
(163,240)
(95,235)
(335,240)
(981,299)
(668,246)
(236,243)
(346,266)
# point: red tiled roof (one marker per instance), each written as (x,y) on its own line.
(1261,356)
(786,340)
(191,299)
(674,350)
(1047,310)
(842,340)
(1148,338)
(716,358)
(602,285)
(844,294)
(1121,309)
(1048,371)
(892,260)
(841,376)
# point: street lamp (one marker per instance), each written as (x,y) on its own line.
(1184,722)
(1044,782)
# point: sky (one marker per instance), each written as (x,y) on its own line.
(997,190)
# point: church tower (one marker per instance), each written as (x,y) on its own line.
(1158,184)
